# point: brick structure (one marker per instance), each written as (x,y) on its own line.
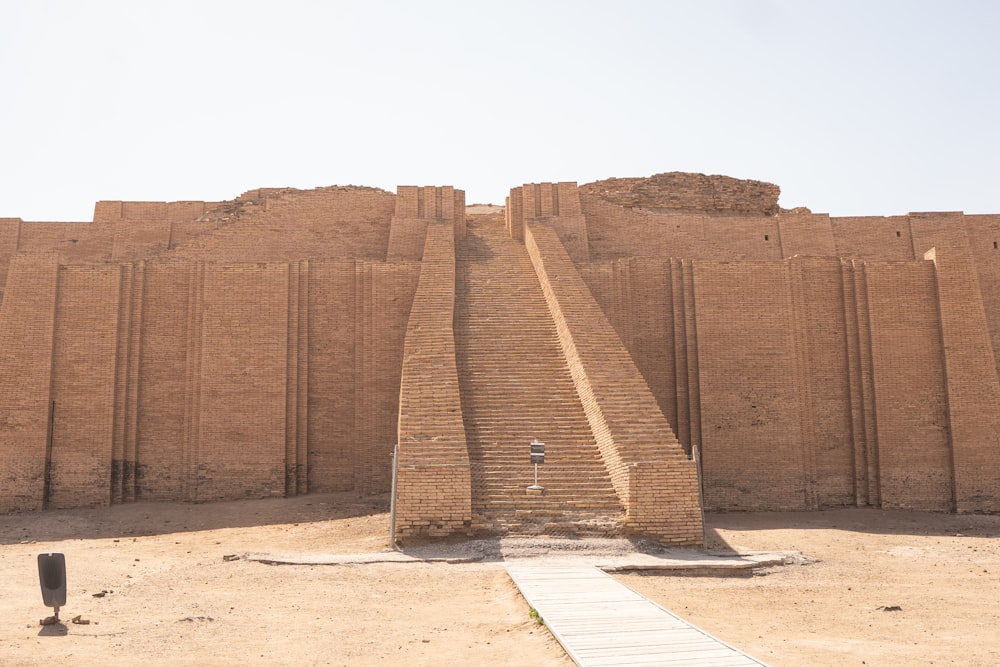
(285,341)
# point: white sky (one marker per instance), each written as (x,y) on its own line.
(872,107)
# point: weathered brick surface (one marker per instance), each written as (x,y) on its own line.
(10,230)
(27,327)
(239,372)
(266,345)
(635,440)
(127,382)
(847,333)
(973,391)
(805,234)
(614,232)
(749,388)
(73,241)
(83,385)
(818,304)
(517,387)
(689,192)
(908,378)
(332,327)
(873,237)
(178,378)
(433,492)
(292,225)
(384,297)
(984,245)
(558,204)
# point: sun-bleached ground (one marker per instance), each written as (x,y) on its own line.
(170,597)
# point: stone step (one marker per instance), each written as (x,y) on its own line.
(515,387)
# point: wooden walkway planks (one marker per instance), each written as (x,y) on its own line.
(601,622)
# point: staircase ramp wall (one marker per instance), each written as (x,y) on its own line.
(433,487)
(654,479)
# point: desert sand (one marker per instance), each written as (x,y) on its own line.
(169,584)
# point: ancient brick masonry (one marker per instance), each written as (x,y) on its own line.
(216,362)
(285,341)
(433,489)
(815,361)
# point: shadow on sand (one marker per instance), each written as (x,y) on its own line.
(147,518)
(856,520)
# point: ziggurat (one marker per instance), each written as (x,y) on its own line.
(284,342)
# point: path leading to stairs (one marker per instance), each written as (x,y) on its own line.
(601,622)
(596,619)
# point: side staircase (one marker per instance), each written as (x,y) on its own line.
(515,386)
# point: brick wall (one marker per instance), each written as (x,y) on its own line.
(749,386)
(689,192)
(556,203)
(637,296)
(873,237)
(415,208)
(74,241)
(165,297)
(384,296)
(291,225)
(203,381)
(908,375)
(656,483)
(781,396)
(297,382)
(237,379)
(805,234)
(433,487)
(984,246)
(10,230)
(332,375)
(973,390)
(406,239)
(181,336)
(83,385)
(861,379)
(134,240)
(27,323)
(820,332)
(127,382)
(120,231)
(207,380)
(615,232)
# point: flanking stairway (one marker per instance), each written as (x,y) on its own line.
(515,386)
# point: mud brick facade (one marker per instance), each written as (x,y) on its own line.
(679,342)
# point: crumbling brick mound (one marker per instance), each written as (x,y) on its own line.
(679,191)
(254,201)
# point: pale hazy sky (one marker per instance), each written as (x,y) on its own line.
(871,107)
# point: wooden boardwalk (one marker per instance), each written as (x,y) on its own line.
(600,621)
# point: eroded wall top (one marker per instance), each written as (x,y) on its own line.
(678,191)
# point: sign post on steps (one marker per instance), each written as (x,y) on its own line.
(537,458)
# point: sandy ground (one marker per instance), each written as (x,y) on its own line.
(171,597)
(942,572)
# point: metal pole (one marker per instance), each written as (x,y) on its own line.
(696,455)
(392,501)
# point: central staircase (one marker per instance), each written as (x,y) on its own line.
(515,386)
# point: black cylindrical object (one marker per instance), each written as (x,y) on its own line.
(52,577)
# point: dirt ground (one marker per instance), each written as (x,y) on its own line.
(942,572)
(153,581)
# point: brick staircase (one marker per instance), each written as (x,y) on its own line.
(515,386)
